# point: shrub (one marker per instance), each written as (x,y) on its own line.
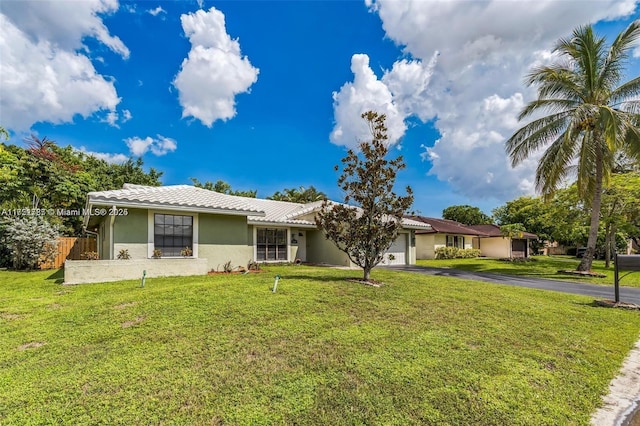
(186,252)
(456,253)
(252,265)
(31,241)
(91,255)
(124,254)
(157,254)
(227,267)
(469,253)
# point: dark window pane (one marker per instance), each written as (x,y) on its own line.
(282,252)
(172,233)
(261,253)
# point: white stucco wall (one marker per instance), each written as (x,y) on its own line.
(96,271)
(426,244)
(495,247)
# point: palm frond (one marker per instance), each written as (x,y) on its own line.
(555,81)
(632,142)
(548,105)
(615,61)
(587,160)
(611,125)
(630,89)
(555,164)
(535,135)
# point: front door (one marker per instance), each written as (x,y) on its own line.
(302,245)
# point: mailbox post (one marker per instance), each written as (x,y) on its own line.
(624,262)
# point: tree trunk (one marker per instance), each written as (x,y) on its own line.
(587,259)
(367,273)
(607,245)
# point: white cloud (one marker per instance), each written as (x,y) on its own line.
(108,157)
(365,93)
(158,146)
(43,78)
(475,91)
(64,23)
(408,81)
(158,10)
(214,71)
(113,117)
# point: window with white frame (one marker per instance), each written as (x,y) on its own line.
(271,244)
(172,233)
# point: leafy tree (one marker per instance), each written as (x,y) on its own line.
(299,195)
(30,240)
(46,176)
(223,188)
(467,215)
(620,210)
(365,230)
(590,118)
(534,214)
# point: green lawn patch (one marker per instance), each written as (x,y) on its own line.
(540,267)
(226,350)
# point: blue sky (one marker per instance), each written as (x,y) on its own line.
(266,95)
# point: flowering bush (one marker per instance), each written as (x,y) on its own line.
(31,240)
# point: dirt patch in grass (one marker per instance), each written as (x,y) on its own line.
(623,305)
(372,283)
(10,317)
(582,273)
(30,345)
(131,323)
(125,305)
(241,272)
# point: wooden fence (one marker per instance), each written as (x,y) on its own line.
(71,248)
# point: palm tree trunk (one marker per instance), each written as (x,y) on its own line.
(607,245)
(587,259)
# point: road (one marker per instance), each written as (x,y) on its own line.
(627,294)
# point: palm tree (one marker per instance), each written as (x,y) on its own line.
(300,195)
(591,118)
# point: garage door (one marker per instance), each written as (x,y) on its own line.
(399,250)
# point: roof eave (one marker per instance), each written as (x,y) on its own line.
(280,224)
(173,207)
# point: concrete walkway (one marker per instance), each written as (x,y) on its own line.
(627,294)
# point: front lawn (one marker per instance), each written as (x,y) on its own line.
(541,267)
(226,350)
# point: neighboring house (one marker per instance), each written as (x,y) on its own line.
(443,233)
(493,244)
(487,238)
(217,228)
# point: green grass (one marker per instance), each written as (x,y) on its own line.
(226,350)
(541,267)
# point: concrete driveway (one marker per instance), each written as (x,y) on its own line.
(627,294)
